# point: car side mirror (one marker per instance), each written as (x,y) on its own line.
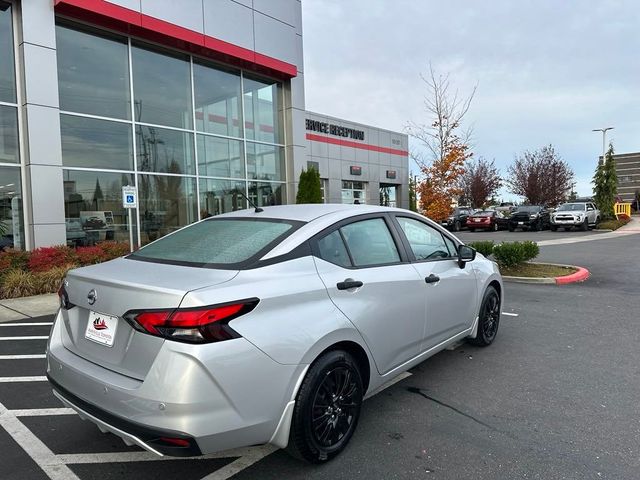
(589,209)
(465,254)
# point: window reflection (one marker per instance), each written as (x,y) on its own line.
(9,134)
(217,101)
(221,196)
(7,64)
(265,162)
(220,157)
(164,151)
(261,111)
(166,203)
(93,207)
(161,88)
(266,193)
(88,142)
(93,73)
(11,218)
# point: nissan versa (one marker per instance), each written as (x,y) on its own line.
(264,326)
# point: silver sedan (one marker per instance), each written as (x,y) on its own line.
(266,326)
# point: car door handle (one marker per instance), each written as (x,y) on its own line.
(432,279)
(348,283)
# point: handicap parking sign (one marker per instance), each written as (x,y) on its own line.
(129,197)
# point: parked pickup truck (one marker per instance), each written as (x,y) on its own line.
(576,214)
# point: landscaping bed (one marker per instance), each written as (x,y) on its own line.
(614,224)
(39,271)
(537,270)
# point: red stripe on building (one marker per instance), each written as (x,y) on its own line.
(130,22)
(348,143)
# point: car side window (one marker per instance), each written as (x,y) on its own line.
(453,249)
(332,249)
(370,242)
(426,242)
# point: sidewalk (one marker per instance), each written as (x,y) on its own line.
(632,226)
(28,307)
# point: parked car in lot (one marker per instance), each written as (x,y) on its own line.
(532,217)
(575,214)
(457,219)
(486,220)
(266,326)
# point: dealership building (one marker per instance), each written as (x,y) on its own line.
(199,104)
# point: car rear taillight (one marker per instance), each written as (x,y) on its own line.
(192,325)
(63,296)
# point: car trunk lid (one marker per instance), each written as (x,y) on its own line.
(119,286)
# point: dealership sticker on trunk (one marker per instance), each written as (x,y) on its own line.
(101,328)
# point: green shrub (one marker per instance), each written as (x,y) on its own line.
(484,247)
(17,283)
(511,254)
(530,250)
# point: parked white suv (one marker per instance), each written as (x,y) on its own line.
(576,214)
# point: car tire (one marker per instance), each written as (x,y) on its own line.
(495,227)
(554,228)
(472,229)
(456,226)
(585,225)
(511,228)
(489,319)
(332,403)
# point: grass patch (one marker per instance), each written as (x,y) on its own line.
(541,270)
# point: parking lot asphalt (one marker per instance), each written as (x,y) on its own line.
(555,397)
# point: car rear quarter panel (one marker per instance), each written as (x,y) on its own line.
(295,319)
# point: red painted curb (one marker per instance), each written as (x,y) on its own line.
(580,276)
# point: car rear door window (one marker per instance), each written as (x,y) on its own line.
(426,242)
(332,249)
(370,243)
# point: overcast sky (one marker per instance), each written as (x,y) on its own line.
(547,71)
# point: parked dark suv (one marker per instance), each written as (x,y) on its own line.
(457,219)
(532,217)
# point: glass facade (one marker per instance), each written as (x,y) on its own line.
(11,214)
(354,192)
(194,137)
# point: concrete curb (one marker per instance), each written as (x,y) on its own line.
(580,276)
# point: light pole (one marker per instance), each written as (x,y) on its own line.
(604,141)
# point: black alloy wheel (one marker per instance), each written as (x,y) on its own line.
(327,408)
(585,225)
(456,226)
(495,227)
(489,318)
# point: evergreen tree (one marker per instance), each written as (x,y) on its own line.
(309,187)
(413,197)
(605,185)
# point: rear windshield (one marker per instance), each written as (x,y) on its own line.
(484,213)
(218,242)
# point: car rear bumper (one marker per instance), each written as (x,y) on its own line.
(216,396)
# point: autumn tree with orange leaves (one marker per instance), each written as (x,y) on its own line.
(446,145)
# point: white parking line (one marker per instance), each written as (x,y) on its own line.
(27,324)
(36,337)
(34,447)
(510,314)
(42,412)
(21,357)
(253,455)
(22,379)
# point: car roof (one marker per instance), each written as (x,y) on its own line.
(309,212)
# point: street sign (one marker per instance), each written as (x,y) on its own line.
(129,197)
